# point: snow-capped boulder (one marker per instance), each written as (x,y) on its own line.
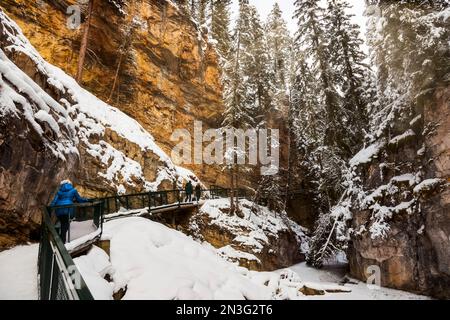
(258,238)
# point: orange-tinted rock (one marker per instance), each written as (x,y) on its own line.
(169,73)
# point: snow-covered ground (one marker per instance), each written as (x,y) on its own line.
(359,290)
(18,273)
(155,262)
(79,229)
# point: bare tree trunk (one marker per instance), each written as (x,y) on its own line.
(289,143)
(84,42)
(115,78)
(237,188)
(232,205)
(123,49)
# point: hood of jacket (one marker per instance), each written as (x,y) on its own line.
(66,187)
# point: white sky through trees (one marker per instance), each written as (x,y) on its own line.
(287,6)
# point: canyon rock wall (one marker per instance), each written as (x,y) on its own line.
(410,177)
(51,129)
(167,72)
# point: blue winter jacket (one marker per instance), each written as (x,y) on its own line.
(66,196)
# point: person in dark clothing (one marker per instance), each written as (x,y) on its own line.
(198,192)
(189,190)
(66,195)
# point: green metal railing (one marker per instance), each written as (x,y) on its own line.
(81,212)
(151,200)
(58,277)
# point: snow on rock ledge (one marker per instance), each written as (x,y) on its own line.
(259,240)
(52,129)
(149,261)
(84,117)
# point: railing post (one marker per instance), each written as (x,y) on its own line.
(70,222)
(149,200)
(101,217)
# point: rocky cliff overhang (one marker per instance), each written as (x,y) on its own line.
(52,129)
(145,57)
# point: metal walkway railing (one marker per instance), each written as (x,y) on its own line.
(85,216)
(155,200)
(58,277)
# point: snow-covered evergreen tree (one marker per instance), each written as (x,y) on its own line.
(271,193)
(409,47)
(199,10)
(238,113)
(408,41)
(329,105)
(279,45)
(220,26)
(260,85)
(312,39)
(248,85)
(350,72)
(183,5)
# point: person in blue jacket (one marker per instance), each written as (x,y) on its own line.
(66,195)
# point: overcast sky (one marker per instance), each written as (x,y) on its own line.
(287,6)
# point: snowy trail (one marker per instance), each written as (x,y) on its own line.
(18,273)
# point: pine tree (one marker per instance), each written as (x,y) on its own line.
(237,116)
(409,42)
(184,5)
(220,24)
(328,98)
(350,72)
(279,43)
(270,193)
(260,84)
(311,37)
(203,12)
(199,10)
(406,38)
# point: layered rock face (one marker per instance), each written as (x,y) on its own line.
(167,72)
(409,224)
(51,129)
(400,182)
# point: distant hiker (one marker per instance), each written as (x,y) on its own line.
(198,192)
(66,195)
(188,189)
